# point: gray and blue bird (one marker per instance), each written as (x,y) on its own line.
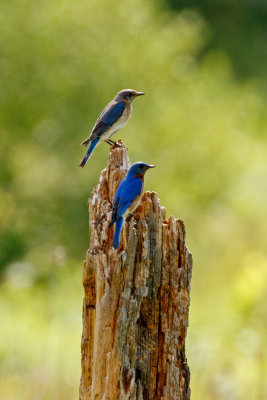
(112,119)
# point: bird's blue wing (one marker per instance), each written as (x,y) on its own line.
(127,192)
(107,118)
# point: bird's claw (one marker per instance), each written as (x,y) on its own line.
(117,144)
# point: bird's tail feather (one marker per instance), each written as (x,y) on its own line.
(116,238)
(89,152)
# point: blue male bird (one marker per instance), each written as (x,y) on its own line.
(128,197)
(113,118)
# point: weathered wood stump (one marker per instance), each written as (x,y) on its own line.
(136,302)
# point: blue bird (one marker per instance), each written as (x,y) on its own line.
(112,119)
(128,197)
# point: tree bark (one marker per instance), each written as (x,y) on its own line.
(136,302)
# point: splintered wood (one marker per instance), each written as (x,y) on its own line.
(136,302)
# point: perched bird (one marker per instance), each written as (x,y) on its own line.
(113,118)
(128,197)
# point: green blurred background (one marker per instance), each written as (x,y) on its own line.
(203,122)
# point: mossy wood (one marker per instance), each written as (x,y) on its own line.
(136,302)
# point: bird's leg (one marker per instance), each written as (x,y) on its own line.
(110,142)
(116,144)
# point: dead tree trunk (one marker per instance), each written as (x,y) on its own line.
(136,302)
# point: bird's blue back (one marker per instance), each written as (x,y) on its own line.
(108,117)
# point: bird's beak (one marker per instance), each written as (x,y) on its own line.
(139,93)
(151,166)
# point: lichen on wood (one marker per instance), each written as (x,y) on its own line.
(136,301)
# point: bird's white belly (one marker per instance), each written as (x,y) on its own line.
(116,127)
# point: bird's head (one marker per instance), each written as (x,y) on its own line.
(139,168)
(128,95)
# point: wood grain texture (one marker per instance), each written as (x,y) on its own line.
(136,301)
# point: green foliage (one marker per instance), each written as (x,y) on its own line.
(203,127)
(238,28)
(12,247)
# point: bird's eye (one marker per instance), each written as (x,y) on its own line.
(130,94)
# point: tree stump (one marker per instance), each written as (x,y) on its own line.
(136,302)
